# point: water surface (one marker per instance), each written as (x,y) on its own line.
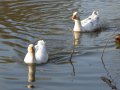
(24,21)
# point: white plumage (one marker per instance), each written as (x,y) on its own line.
(89,24)
(41,54)
(29,58)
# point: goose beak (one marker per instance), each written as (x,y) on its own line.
(95,13)
(74,16)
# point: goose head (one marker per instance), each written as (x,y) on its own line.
(76,19)
(75,16)
(30,48)
(41,42)
(95,13)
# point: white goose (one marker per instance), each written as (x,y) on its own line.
(39,55)
(89,24)
(29,58)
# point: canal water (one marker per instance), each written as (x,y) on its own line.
(92,64)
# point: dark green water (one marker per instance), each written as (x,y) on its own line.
(24,21)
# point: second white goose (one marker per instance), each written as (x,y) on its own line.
(89,24)
(41,54)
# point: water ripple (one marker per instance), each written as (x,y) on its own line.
(26,21)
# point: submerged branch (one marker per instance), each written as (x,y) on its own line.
(71,55)
(109,81)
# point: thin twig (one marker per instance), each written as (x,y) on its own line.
(71,55)
(107,71)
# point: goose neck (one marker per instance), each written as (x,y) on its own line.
(77,26)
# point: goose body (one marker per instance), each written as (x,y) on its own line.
(36,54)
(41,54)
(89,24)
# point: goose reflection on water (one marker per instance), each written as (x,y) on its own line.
(76,40)
(31,75)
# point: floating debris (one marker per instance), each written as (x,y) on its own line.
(109,82)
(117,41)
